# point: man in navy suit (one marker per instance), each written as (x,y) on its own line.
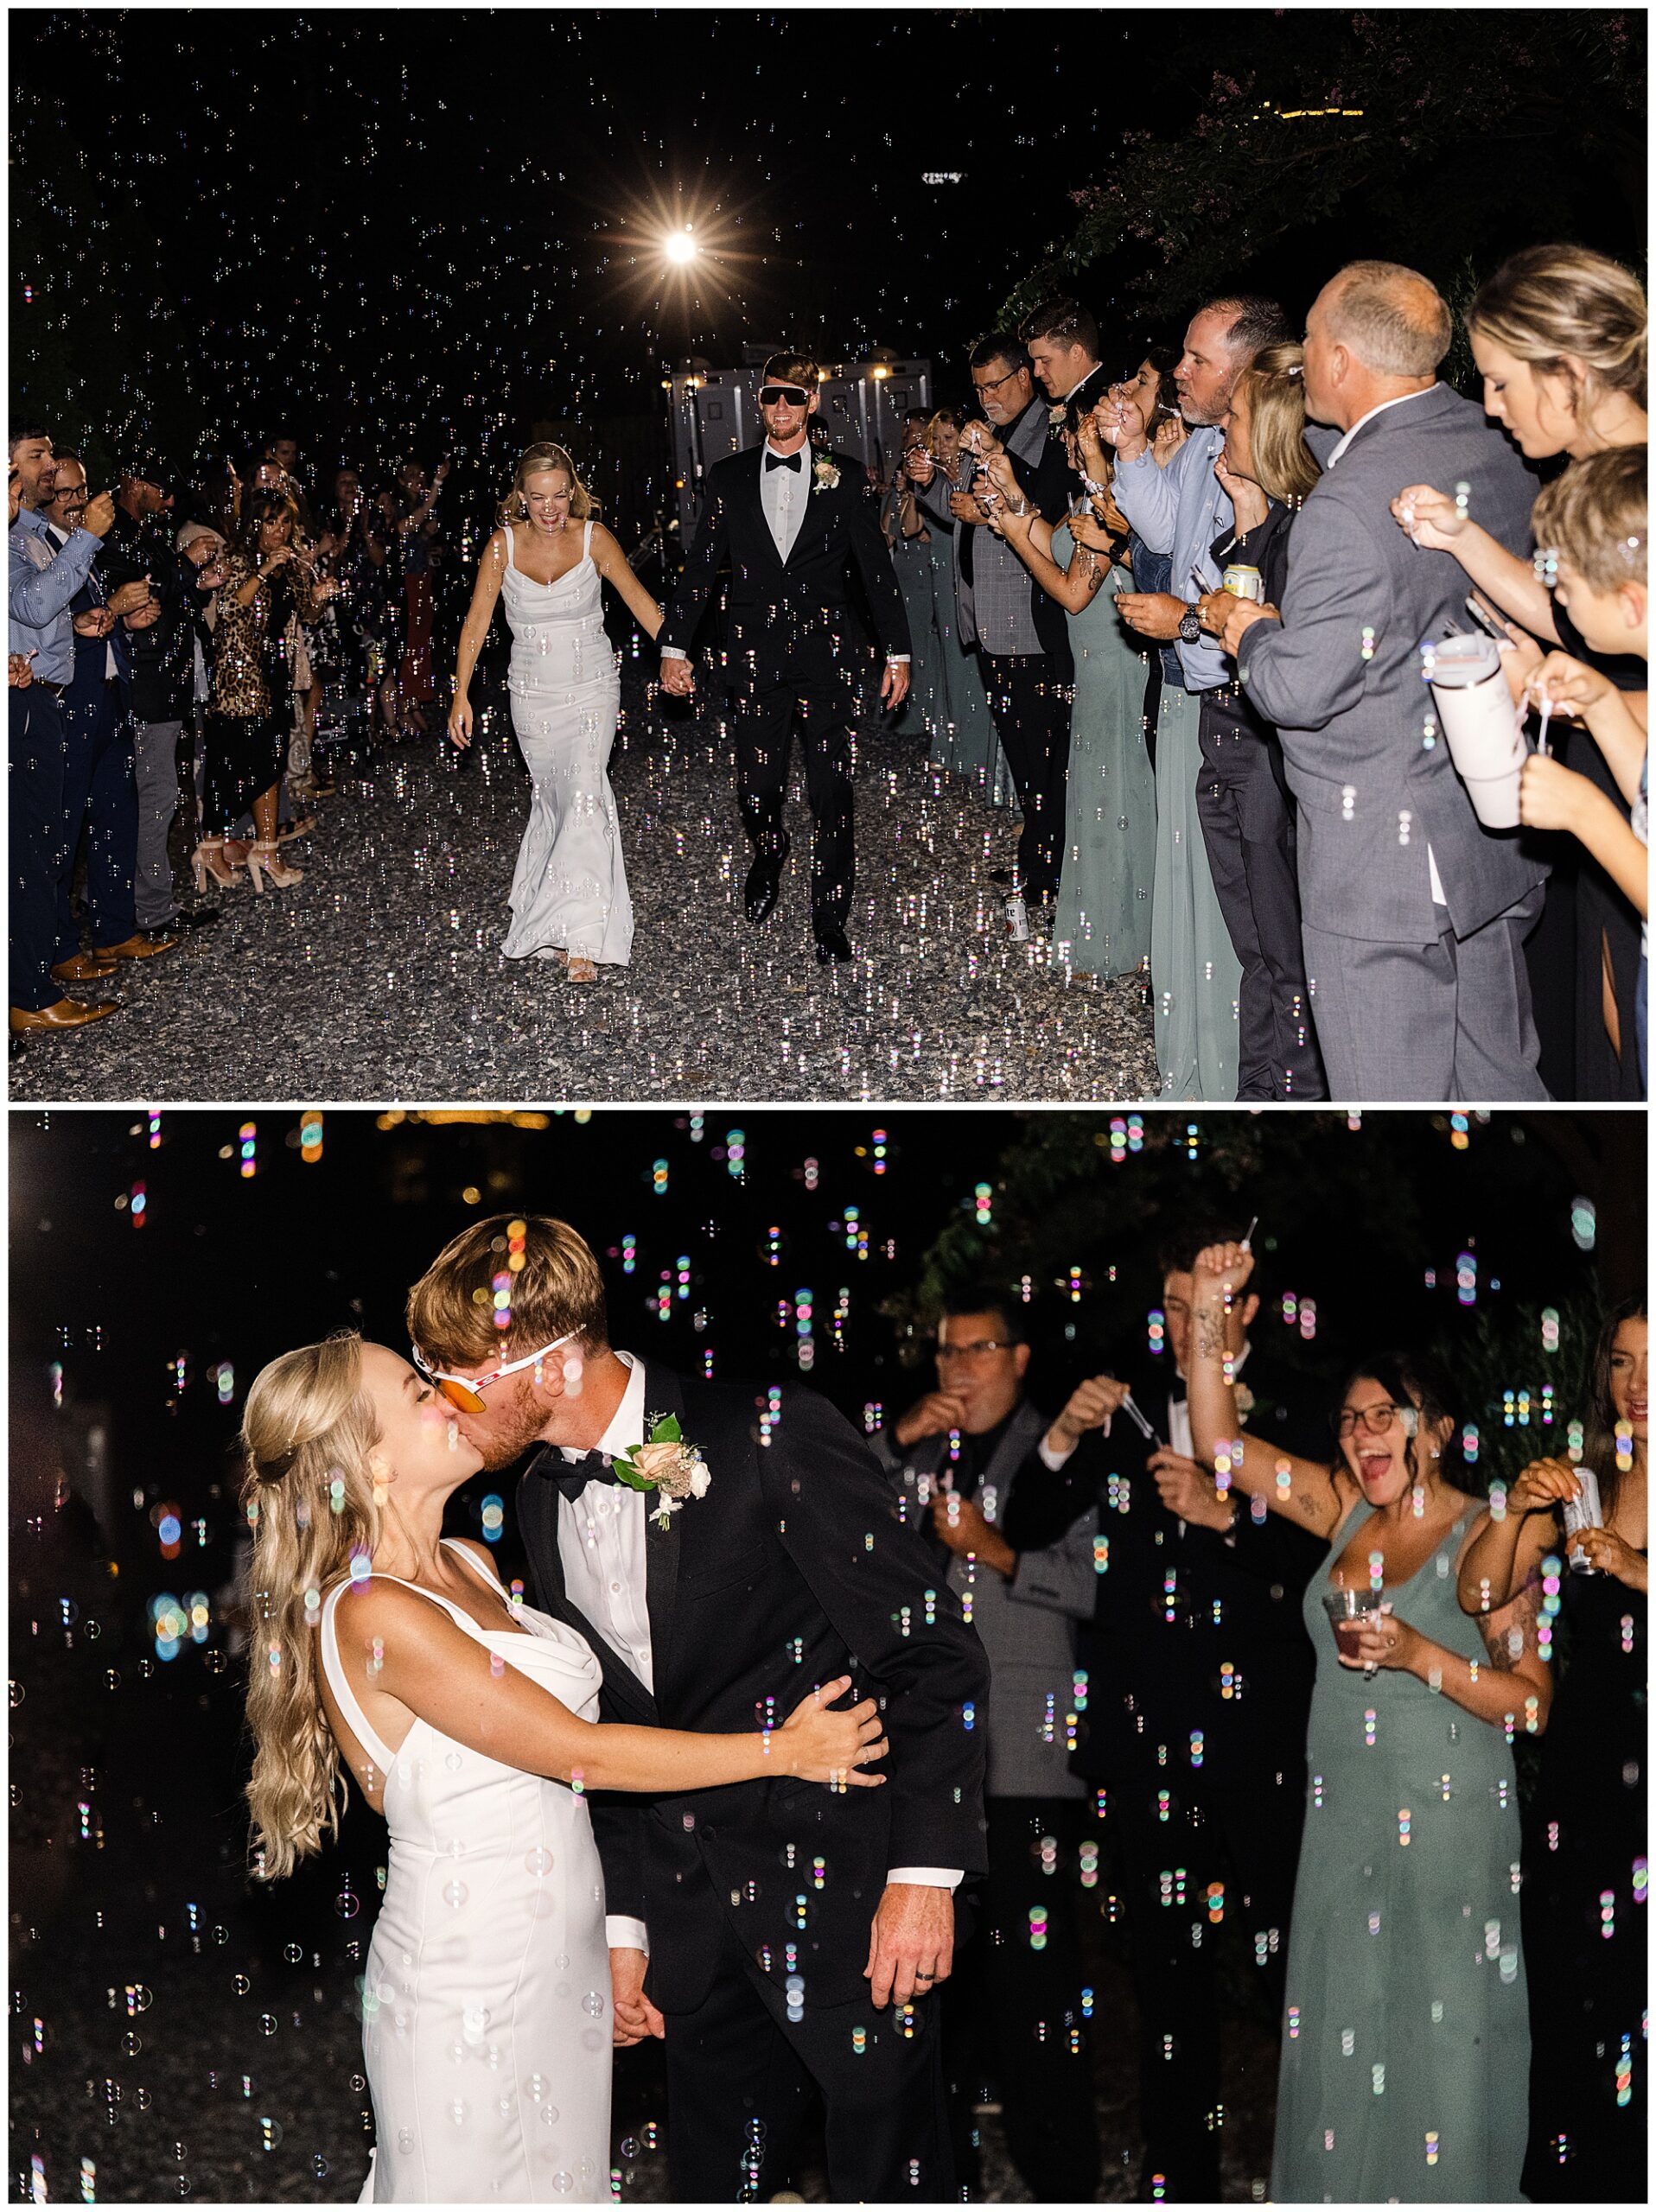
(792,520)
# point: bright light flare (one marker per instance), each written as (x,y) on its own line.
(680,248)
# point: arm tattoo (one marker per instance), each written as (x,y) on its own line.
(1509,1631)
(1210,1334)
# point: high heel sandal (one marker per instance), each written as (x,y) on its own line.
(208,862)
(577,970)
(263,859)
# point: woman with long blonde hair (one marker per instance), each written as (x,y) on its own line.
(1561,337)
(551,557)
(383,1651)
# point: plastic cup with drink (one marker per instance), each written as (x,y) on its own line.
(1348,1612)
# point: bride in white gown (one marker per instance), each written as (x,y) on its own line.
(550,557)
(469,1721)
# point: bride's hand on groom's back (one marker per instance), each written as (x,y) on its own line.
(819,1744)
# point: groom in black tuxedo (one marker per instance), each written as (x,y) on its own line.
(792,521)
(774,1933)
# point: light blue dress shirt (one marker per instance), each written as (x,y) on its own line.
(41,581)
(1181,510)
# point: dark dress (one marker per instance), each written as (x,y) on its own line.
(1587,1970)
(1584,912)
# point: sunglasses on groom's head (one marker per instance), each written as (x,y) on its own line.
(465,1391)
(773,395)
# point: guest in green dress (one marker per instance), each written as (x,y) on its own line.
(1101,923)
(1406,2037)
(964,742)
(904,529)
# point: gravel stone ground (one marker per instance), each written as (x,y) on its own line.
(380,977)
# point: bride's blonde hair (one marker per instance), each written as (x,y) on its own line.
(308,1437)
(514,506)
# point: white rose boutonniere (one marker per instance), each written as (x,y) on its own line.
(823,474)
(1243,1398)
(665,1464)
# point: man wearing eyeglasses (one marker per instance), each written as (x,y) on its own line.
(1198,1682)
(1021,635)
(793,522)
(952,1458)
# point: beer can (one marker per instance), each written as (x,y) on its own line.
(1583,1512)
(1017,918)
(1244,583)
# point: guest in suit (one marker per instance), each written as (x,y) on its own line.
(1414,916)
(953,1458)
(42,581)
(777,1935)
(793,522)
(1062,339)
(100,787)
(1021,635)
(1198,1682)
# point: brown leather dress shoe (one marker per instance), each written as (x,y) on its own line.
(143,945)
(67,1014)
(84,968)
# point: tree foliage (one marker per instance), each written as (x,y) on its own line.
(1424,136)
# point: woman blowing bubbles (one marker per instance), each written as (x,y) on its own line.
(382,1648)
(568,896)
(1405,2043)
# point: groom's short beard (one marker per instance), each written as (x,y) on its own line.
(514,1427)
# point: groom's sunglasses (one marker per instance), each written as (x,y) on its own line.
(465,1390)
(773,395)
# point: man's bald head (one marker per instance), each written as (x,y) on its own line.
(1392,319)
(1376,332)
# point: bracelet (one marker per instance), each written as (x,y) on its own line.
(1095,491)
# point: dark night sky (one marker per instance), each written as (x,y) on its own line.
(229,1267)
(421,217)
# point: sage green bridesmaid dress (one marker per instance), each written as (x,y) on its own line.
(1406,2042)
(1102,926)
(964,742)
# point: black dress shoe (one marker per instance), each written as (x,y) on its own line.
(764,881)
(832,944)
(1004,876)
(189,918)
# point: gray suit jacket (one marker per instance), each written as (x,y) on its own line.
(1340,679)
(1026,1625)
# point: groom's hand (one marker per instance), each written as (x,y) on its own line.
(634,2016)
(678,677)
(894,687)
(911,1947)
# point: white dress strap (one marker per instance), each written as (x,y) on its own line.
(484,1570)
(586,540)
(509,563)
(383,1757)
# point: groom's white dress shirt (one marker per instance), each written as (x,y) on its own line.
(601,1540)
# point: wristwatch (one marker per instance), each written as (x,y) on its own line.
(1190,628)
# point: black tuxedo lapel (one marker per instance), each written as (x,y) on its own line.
(663,1395)
(540,1523)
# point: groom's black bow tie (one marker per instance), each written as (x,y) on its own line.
(782,461)
(572,1475)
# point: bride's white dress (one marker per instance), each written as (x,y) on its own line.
(568,891)
(486,2021)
